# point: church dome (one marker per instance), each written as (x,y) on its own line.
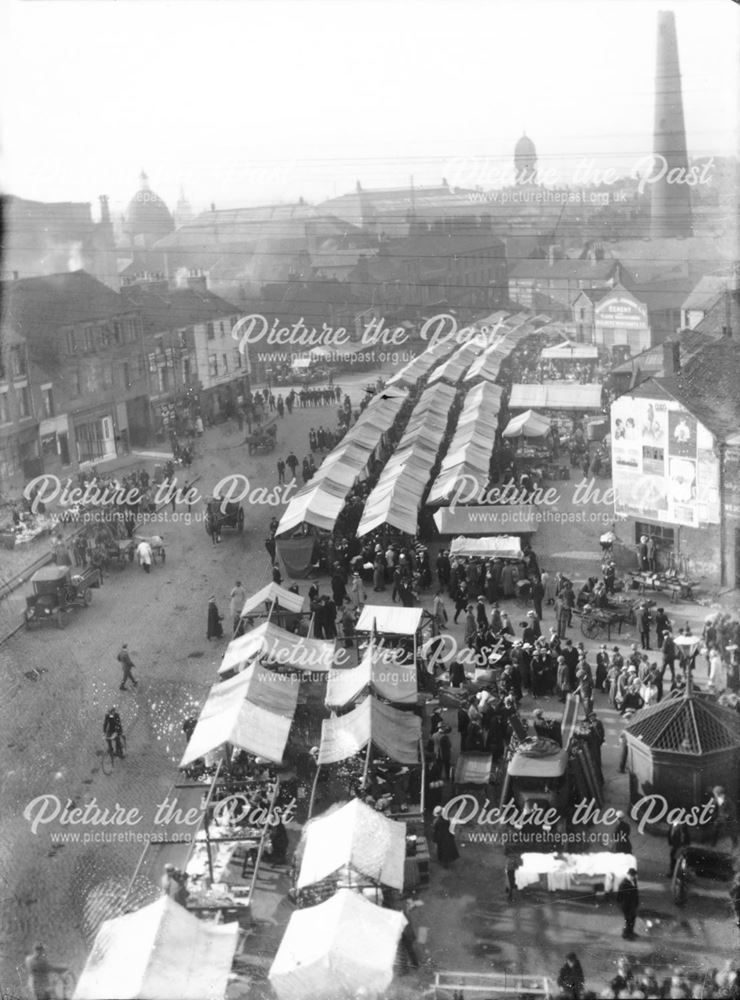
(147,215)
(525,147)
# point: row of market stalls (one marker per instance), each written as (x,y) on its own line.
(397,496)
(352,853)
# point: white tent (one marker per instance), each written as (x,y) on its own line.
(380,671)
(276,645)
(357,836)
(555,396)
(389,620)
(571,351)
(160,952)
(503,546)
(283,598)
(330,951)
(392,731)
(253,710)
(527,424)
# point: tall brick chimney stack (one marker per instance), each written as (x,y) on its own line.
(670,210)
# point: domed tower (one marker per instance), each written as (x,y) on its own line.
(147,218)
(525,161)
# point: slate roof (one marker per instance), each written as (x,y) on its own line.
(35,305)
(580,270)
(707,386)
(694,724)
(167,309)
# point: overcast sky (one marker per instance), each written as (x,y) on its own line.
(243,102)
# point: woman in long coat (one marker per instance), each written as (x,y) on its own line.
(215,629)
(443,837)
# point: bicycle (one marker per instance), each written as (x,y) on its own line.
(108,755)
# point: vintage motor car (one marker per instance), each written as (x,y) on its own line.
(56,590)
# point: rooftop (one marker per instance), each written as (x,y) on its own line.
(581,270)
(695,724)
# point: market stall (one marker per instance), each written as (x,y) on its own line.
(273,599)
(527,425)
(556,396)
(271,644)
(356,837)
(498,546)
(379,672)
(160,952)
(253,711)
(566,872)
(476,520)
(325,950)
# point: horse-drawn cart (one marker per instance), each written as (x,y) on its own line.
(597,621)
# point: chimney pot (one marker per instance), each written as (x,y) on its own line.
(671,357)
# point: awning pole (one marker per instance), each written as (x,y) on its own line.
(367,762)
(261,848)
(211,791)
(313,790)
(422,760)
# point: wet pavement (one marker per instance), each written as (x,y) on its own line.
(55,687)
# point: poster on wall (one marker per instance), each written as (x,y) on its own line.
(681,434)
(663,464)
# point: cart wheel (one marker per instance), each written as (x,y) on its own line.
(590,627)
(60,618)
(87,597)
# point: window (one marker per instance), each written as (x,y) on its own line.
(88,338)
(47,400)
(107,373)
(182,338)
(582,313)
(75,383)
(163,380)
(117,332)
(104,336)
(126,375)
(238,356)
(4,408)
(225,363)
(221,328)
(71,341)
(24,402)
(18,366)
(210,335)
(213,365)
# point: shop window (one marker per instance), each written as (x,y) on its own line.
(664,537)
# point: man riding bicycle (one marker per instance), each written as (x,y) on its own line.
(113,732)
(39,971)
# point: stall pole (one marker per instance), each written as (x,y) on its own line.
(313,790)
(211,791)
(422,761)
(272,608)
(261,848)
(367,763)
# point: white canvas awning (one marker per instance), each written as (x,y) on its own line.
(571,351)
(504,546)
(392,731)
(332,950)
(555,396)
(316,507)
(494,519)
(273,644)
(378,671)
(284,599)
(253,710)
(357,836)
(389,620)
(160,952)
(527,424)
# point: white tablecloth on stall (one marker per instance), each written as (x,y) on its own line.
(569,871)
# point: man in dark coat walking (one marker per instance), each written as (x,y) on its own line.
(628,897)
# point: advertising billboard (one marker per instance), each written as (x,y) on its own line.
(663,463)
